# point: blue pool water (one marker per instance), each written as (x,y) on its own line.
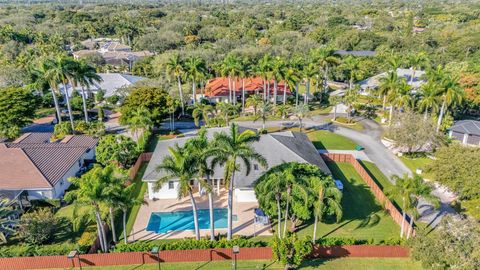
(162,222)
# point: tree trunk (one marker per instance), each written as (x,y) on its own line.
(410,227)
(125,240)
(230,206)
(307,91)
(286,214)
(335,112)
(413,75)
(99,232)
(102,237)
(279,218)
(234,91)
(268,90)
(243,95)
(194,91)
(402,228)
(285,93)
(229,89)
(69,107)
(296,95)
(391,114)
(384,102)
(211,212)
(315,229)
(440,117)
(264,90)
(112,224)
(85,112)
(275,86)
(179,81)
(425,116)
(57,107)
(195,215)
(300,119)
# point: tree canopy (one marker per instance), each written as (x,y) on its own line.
(152,99)
(17,109)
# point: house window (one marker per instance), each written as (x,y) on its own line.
(88,150)
(61,182)
(171,185)
(255,167)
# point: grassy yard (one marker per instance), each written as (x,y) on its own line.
(413,163)
(320,264)
(363,217)
(342,121)
(324,139)
(138,192)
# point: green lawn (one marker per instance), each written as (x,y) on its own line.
(363,217)
(138,192)
(413,163)
(319,264)
(324,139)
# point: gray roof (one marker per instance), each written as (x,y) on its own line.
(110,83)
(471,127)
(356,53)
(277,148)
(374,82)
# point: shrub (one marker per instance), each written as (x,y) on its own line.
(187,244)
(143,141)
(38,227)
(88,236)
(61,130)
(290,250)
(27,250)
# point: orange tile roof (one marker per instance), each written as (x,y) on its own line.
(219,86)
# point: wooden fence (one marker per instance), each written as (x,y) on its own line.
(134,169)
(376,190)
(199,255)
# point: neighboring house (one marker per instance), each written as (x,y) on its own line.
(466,131)
(33,168)
(113,52)
(110,83)
(276,148)
(415,80)
(217,89)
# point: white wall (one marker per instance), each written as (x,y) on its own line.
(164,192)
(245,195)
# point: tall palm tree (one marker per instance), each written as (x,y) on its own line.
(400,97)
(325,58)
(227,111)
(174,68)
(85,76)
(291,80)
(416,61)
(327,200)
(278,73)
(264,70)
(310,72)
(388,85)
(352,65)
(264,111)
(451,94)
(350,98)
(112,192)
(229,149)
(201,149)
(429,98)
(401,189)
(334,100)
(43,73)
(301,112)
(195,69)
(124,201)
(245,71)
(179,165)
(296,64)
(273,188)
(92,191)
(6,222)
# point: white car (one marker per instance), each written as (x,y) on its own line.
(339,185)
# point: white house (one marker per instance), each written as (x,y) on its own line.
(277,148)
(36,168)
(414,79)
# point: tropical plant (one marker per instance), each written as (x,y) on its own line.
(17,109)
(254,101)
(290,250)
(202,110)
(7,223)
(300,112)
(229,149)
(85,75)
(195,69)
(180,166)
(334,100)
(174,68)
(264,111)
(388,85)
(126,200)
(38,227)
(117,149)
(139,120)
(325,58)
(227,111)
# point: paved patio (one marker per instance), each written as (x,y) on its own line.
(243,225)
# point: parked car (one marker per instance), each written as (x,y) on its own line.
(339,185)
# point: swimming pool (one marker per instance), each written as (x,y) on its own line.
(162,222)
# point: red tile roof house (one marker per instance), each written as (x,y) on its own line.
(35,168)
(216,89)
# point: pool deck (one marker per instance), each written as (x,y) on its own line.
(242,226)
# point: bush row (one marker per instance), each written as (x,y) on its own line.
(186,244)
(25,250)
(342,241)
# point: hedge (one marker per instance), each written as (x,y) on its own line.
(186,244)
(26,250)
(341,241)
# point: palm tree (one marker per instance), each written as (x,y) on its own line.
(231,68)
(352,64)
(174,68)
(6,222)
(291,79)
(301,112)
(283,110)
(227,111)
(327,200)
(245,71)
(179,165)
(194,70)
(265,110)
(139,120)
(334,100)
(401,189)
(325,58)
(350,98)
(278,73)
(264,69)
(296,65)
(388,84)
(273,189)
(112,192)
(451,94)
(400,97)
(201,110)
(200,148)
(429,97)
(310,72)
(44,73)
(92,191)
(85,76)
(229,149)
(254,101)
(419,189)
(416,61)
(124,201)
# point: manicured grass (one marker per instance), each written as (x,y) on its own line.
(413,163)
(324,139)
(319,264)
(363,217)
(342,121)
(139,192)
(43,112)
